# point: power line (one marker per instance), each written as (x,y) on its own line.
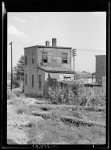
(78,49)
(92,50)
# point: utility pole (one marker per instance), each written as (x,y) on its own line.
(74,54)
(73,60)
(11,67)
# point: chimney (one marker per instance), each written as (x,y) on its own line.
(54,41)
(47,43)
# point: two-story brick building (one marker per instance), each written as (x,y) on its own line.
(44,61)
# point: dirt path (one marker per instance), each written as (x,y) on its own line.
(13,122)
(15,131)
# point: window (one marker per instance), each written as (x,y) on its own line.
(40,82)
(32,58)
(25,60)
(32,80)
(64,58)
(44,57)
(25,79)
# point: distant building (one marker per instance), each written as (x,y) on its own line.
(46,62)
(87,77)
(100,68)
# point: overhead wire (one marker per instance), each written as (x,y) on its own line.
(77,49)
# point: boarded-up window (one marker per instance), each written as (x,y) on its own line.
(44,57)
(32,58)
(25,60)
(25,79)
(64,58)
(40,82)
(32,80)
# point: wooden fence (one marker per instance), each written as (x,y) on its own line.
(95,90)
(87,89)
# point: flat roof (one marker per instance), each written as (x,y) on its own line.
(55,69)
(99,55)
(43,46)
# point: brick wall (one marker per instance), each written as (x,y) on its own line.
(30,69)
(100,67)
(55,56)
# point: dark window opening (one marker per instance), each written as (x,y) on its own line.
(32,80)
(32,58)
(40,82)
(64,61)
(25,60)
(64,58)
(44,57)
(25,79)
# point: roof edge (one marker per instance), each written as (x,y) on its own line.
(43,46)
(52,71)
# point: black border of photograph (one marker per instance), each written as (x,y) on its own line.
(51,6)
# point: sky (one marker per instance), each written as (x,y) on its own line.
(83,31)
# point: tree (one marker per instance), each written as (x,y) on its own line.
(19,73)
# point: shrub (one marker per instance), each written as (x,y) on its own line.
(16,83)
(102,100)
(75,94)
(68,94)
(83,100)
(93,101)
(54,94)
(20,111)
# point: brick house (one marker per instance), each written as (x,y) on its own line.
(42,62)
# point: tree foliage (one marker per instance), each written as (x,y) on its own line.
(18,72)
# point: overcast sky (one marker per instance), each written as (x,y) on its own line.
(84,31)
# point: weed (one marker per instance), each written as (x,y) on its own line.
(10,94)
(20,111)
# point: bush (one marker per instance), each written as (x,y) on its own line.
(102,100)
(83,100)
(16,83)
(74,94)
(55,95)
(68,94)
(94,101)
(97,101)
(20,111)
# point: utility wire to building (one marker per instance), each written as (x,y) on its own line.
(77,49)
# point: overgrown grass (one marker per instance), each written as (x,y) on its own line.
(54,131)
(10,94)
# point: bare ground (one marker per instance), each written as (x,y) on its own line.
(36,121)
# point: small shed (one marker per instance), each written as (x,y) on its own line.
(49,75)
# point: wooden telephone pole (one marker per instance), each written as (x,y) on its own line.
(73,60)
(11,67)
(74,54)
